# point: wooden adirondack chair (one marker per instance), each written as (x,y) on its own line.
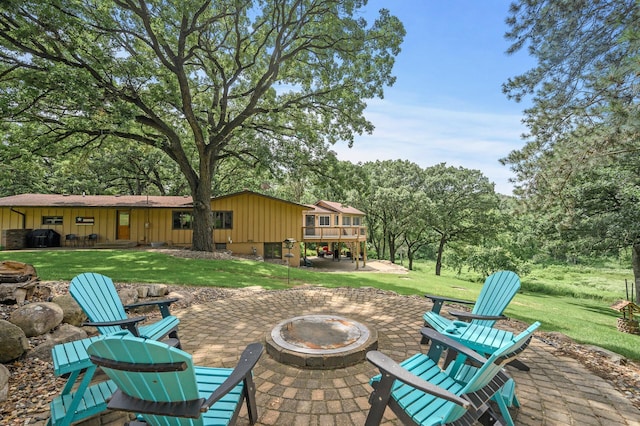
(420,392)
(161,384)
(98,298)
(475,328)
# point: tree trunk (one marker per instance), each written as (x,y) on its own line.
(202,217)
(392,249)
(635,261)
(410,257)
(443,241)
(383,250)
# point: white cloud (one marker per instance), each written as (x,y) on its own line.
(427,135)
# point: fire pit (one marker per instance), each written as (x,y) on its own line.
(320,341)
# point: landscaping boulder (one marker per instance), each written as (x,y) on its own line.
(4,383)
(13,341)
(185,299)
(157,290)
(72,312)
(37,318)
(63,334)
(128,296)
(143,291)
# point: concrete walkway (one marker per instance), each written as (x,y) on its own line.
(557,390)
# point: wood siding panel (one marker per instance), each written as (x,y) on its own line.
(160,228)
(10,220)
(258,219)
(103,222)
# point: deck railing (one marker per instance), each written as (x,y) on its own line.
(345,233)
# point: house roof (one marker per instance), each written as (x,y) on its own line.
(57,200)
(246,191)
(312,208)
(150,201)
(338,207)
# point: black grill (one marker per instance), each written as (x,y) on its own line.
(43,238)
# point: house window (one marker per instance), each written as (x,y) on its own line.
(356,221)
(337,221)
(221,246)
(182,220)
(223,220)
(325,221)
(346,221)
(52,220)
(273,250)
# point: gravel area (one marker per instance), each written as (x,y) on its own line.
(32,384)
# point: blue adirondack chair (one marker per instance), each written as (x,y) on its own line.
(98,298)
(475,328)
(161,384)
(420,392)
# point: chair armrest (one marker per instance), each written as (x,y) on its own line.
(163,305)
(130,324)
(248,360)
(469,316)
(439,300)
(435,337)
(389,366)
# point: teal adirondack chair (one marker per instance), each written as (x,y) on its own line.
(420,392)
(475,328)
(161,384)
(98,298)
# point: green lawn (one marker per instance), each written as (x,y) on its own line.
(572,300)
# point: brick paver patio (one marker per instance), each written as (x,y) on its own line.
(556,391)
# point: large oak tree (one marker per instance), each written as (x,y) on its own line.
(201,80)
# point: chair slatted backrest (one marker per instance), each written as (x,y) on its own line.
(98,298)
(499,358)
(157,381)
(497,292)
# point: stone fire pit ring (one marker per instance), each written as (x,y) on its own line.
(320,341)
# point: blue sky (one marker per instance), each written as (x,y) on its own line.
(447,104)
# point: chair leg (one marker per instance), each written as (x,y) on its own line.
(379,399)
(515,401)
(504,410)
(250,398)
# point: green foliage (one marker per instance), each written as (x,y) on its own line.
(486,260)
(391,199)
(419,211)
(578,170)
(463,206)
